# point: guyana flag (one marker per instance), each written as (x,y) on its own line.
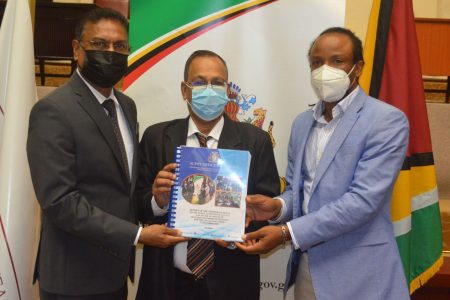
(392,73)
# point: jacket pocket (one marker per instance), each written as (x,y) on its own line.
(364,239)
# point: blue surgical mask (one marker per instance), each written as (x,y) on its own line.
(208,104)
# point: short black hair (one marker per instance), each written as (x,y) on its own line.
(201,53)
(97,14)
(357,44)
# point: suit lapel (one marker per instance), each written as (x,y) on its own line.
(175,135)
(93,108)
(342,130)
(304,130)
(134,131)
(229,137)
(128,114)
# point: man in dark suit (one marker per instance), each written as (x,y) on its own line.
(82,149)
(165,272)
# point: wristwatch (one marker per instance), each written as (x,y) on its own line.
(231,246)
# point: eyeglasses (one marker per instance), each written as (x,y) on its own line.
(203,85)
(103,45)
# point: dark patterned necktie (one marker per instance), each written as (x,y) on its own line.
(200,253)
(112,112)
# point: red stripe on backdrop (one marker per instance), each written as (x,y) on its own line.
(10,257)
(133,76)
(1,110)
(401,83)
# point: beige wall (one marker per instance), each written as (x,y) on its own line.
(426,8)
(432,9)
(358,11)
(443,9)
(357,16)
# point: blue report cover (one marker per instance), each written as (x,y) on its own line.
(208,198)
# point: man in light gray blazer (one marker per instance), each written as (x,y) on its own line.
(343,160)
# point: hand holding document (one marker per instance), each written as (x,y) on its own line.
(262,240)
(163,184)
(208,197)
(262,208)
(160,236)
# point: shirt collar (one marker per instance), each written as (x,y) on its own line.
(340,108)
(96,93)
(215,132)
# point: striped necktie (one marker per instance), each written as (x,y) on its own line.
(109,105)
(200,253)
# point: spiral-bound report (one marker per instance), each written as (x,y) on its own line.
(208,198)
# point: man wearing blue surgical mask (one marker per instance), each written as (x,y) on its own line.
(167,274)
(344,157)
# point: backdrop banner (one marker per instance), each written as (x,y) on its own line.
(18,206)
(265,45)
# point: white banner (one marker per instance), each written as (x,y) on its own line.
(266,53)
(18,207)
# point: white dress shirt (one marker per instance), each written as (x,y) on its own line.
(125,129)
(318,138)
(180,250)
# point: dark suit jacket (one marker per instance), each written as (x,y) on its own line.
(88,220)
(235,275)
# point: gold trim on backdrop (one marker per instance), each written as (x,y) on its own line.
(369,47)
(32,11)
(426,275)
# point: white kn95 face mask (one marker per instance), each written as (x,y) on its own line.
(330,84)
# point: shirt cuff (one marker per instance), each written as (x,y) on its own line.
(136,240)
(294,241)
(158,211)
(282,213)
